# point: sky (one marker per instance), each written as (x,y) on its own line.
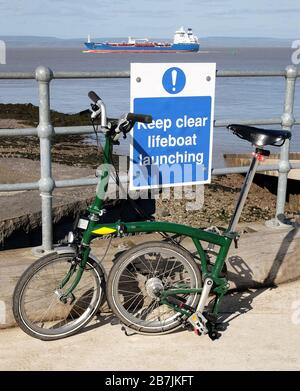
(150,18)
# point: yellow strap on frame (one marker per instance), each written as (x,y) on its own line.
(104,231)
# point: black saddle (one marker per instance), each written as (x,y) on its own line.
(260,137)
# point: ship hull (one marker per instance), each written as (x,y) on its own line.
(119,48)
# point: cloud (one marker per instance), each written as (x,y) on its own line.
(68,18)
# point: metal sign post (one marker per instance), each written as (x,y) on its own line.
(176,148)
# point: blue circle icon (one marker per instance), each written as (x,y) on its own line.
(174,80)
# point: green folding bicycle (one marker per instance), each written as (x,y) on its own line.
(154,287)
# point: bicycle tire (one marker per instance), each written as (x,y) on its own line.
(121,270)
(88,298)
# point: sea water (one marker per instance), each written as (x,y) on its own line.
(236,98)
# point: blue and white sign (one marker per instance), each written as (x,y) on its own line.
(174,80)
(176,148)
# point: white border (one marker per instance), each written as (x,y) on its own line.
(151,87)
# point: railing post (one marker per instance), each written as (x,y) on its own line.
(288,121)
(45,132)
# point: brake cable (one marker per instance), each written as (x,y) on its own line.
(116,177)
(117,181)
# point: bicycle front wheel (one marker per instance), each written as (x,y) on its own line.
(37,307)
(138,278)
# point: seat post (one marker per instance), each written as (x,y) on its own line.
(245,190)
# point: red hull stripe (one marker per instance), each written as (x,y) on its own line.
(135,51)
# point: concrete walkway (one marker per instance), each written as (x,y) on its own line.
(265,337)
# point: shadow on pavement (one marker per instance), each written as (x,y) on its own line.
(239,301)
(101,320)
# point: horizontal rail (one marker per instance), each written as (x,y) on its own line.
(18,132)
(244,169)
(253,121)
(251,73)
(67,75)
(87,129)
(295,166)
(91,75)
(88,181)
(64,130)
(19,186)
(126,74)
(62,183)
(17,75)
(60,130)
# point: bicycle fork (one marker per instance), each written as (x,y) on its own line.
(78,268)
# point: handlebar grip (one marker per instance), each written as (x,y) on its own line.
(145,118)
(93,96)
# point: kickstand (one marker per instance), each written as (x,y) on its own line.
(126,329)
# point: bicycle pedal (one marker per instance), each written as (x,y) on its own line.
(198,321)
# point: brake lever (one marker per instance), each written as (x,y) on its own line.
(123,126)
(94,107)
(95,114)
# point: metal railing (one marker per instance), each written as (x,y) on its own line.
(45,132)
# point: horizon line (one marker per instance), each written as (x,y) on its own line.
(116,37)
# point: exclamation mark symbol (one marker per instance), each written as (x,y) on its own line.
(174,79)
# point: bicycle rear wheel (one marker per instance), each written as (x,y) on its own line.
(37,307)
(139,276)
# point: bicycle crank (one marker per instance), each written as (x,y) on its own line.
(203,324)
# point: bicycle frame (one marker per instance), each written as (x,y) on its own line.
(219,284)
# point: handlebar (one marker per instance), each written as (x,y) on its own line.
(93,96)
(147,119)
(124,124)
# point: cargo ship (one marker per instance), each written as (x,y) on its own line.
(184,41)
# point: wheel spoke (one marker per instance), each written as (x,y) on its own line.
(157,264)
(125,291)
(140,276)
(130,299)
(42,311)
(137,305)
(150,307)
(151,271)
(134,301)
